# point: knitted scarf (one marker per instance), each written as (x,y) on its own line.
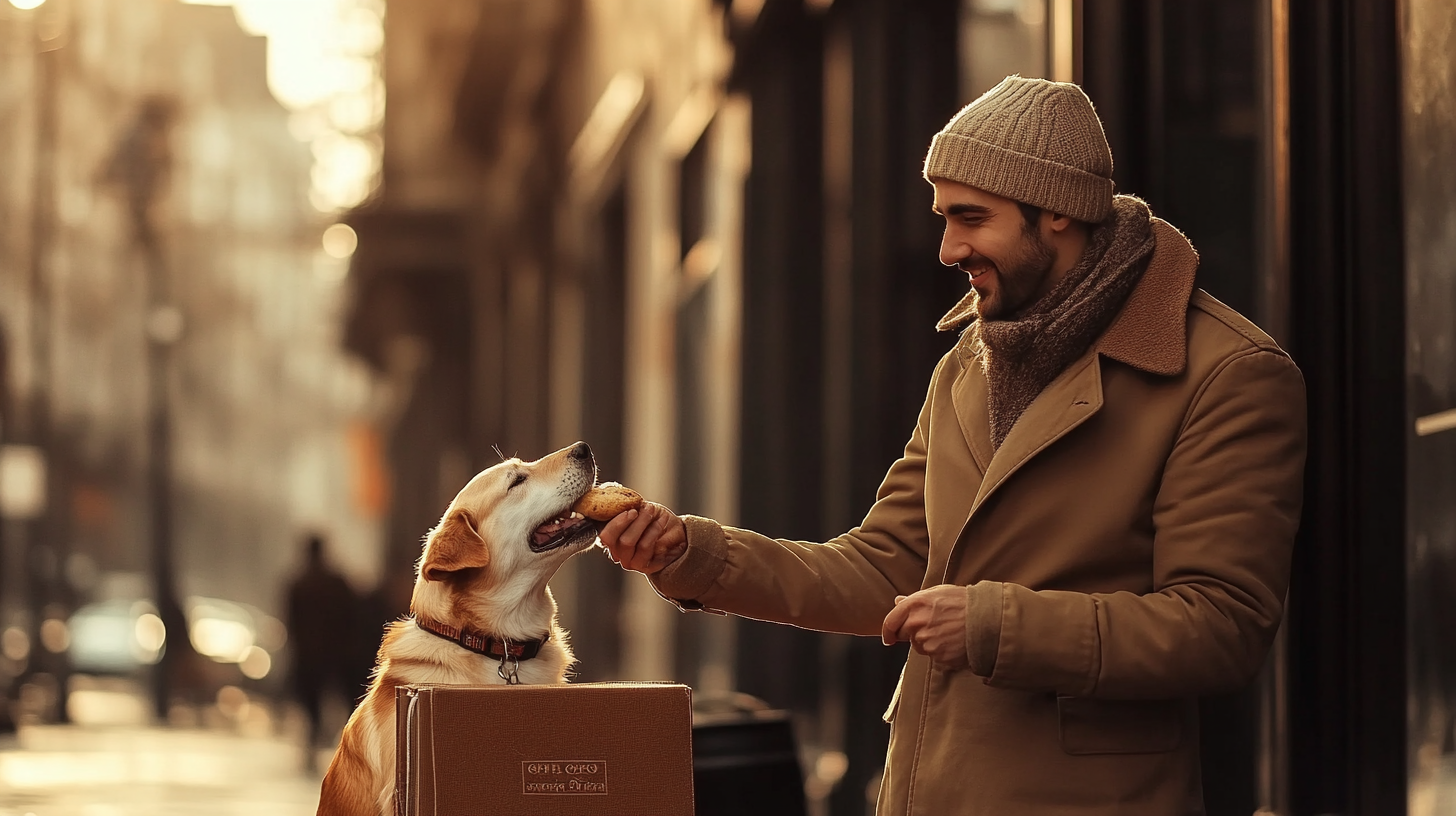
(1022,355)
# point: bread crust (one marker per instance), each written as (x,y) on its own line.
(607,500)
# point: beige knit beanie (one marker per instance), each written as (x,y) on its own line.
(1033,141)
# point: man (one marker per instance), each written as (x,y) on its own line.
(1091,524)
(322,640)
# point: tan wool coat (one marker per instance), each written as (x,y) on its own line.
(1125,551)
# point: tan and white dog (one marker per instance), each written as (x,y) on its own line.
(481,611)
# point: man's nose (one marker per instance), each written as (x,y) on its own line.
(954,250)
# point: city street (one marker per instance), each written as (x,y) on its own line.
(1098,354)
(247,763)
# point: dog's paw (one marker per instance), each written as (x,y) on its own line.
(607,500)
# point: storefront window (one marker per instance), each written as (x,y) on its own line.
(1430,243)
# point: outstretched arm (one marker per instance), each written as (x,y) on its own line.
(846,584)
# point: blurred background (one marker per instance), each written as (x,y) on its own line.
(274,271)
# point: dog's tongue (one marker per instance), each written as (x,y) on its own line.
(553,528)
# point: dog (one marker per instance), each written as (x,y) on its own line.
(481,613)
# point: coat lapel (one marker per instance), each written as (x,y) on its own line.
(1066,403)
(969,396)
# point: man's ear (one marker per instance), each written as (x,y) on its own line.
(453,546)
(1059,223)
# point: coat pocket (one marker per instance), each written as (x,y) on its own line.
(1092,726)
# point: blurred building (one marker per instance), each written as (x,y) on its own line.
(171,323)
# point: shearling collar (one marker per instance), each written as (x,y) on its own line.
(1151,331)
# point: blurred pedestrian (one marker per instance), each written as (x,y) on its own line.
(321,618)
(387,602)
(1092,523)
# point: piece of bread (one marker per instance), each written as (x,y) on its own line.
(607,500)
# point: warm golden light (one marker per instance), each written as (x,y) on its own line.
(323,66)
(340,241)
(256,663)
(27,5)
(226,641)
(150,635)
(15,644)
(55,636)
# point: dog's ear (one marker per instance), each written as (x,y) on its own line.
(454,546)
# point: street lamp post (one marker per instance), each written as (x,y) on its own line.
(30,555)
(140,166)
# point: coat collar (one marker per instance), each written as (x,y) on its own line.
(1150,332)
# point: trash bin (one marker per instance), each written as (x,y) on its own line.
(745,762)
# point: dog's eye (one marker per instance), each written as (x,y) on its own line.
(520,477)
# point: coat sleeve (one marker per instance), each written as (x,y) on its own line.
(847,584)
(1225,518)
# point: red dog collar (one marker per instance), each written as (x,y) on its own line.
(488,645)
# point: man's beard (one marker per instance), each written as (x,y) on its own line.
(1018,279)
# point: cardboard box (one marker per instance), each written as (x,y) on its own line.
(589,749)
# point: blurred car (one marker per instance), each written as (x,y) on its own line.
(116,636)
(122,635)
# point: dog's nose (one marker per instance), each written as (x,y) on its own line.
(580,450)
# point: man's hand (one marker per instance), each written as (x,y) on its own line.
(647,539)
(934,622)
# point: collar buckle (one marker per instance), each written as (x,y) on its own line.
(509,666)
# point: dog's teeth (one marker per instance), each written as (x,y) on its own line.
(576,515)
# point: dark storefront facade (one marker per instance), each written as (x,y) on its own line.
(1300,144)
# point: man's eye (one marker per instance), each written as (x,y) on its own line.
(520,477)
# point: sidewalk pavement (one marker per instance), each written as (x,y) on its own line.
(246,758)
(136,770)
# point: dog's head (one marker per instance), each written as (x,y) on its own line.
(514,520)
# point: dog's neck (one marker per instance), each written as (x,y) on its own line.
(513,613)
(483,643)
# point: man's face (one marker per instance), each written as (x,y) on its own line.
(986,236)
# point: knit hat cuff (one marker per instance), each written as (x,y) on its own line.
(1019,176)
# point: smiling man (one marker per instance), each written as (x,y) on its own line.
(1091,524)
